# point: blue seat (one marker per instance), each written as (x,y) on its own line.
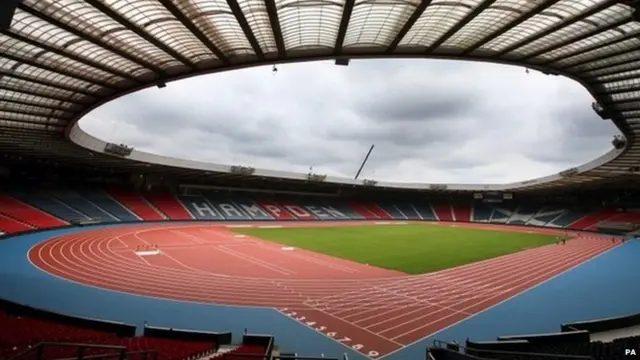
(51,205)
(425,211)
(200,207)
(545,215)
(85,206)
(338,208)
(408,210)
(392,210)
(481,212)
(523,214)
(108,204)
(226,207)
(566,219)
(247,205)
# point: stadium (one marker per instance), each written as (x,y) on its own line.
(110,252)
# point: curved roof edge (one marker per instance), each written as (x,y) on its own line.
(53,70)
(85,140)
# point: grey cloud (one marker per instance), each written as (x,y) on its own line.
(433,121)
(416,105)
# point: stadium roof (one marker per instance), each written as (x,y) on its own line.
(59,59)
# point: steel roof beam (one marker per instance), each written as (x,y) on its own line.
(611,72)
(470,16)
(45,114)
(194,30)
(344,24)
(57,71)
(570,41)
(50,97)
(50,108)
(634,87)
(621,78)
(555,27)
(90,63)
(246,28)
(40,82)
(10,130)
(589,48)
(408,25)
(272,10)
(143,63)
(537,10)
(143,34)
(633,49)
(625,101)
(27,122)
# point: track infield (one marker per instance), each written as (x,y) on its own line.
(412,249)
(365,307)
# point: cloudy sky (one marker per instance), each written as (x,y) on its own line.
(431,121)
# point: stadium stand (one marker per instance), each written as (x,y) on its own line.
(30,210)
(136,204)
(168,205)
(62,336)
(62,59)
(19,211)
(481,212)
(74,201)
(408,210)
(424,210)
(443,212)
(105,202)
(10,226)
(461,212)
(592,219)
(47,203)
(574,342)
(392,210)
(522,215)
(275,210)
(364,211)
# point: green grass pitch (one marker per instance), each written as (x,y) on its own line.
(412,249)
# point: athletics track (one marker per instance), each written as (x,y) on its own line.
(372,310)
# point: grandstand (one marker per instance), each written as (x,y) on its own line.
(32,209)
(68,198)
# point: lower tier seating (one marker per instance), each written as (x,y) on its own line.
(22,329)
(24,210)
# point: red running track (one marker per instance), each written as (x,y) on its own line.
(373,310)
